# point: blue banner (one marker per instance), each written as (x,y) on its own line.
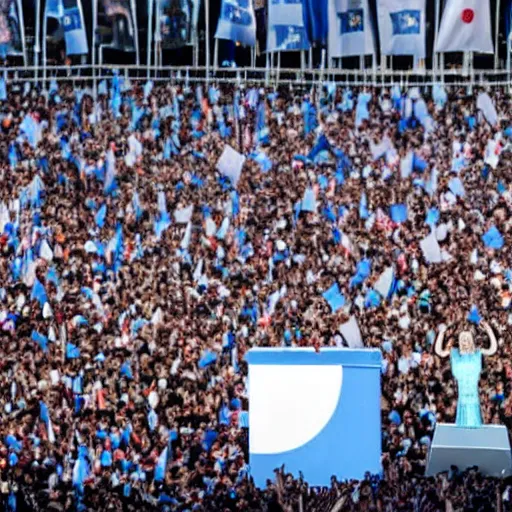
(286,31)
(316,21)
(406,22)
(74,31)
(351,21)
(237,22)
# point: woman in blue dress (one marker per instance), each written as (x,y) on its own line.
(466,364)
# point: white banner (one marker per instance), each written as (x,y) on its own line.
(237,22)
(465,27)
(350,28)
(286,31)
(402,27)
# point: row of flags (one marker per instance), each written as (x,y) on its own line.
(344,27)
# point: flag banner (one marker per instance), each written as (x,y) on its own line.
(465,27)
(237,22)
(351,28)
(11,28)
(402,27)
(75,35)
(286,31)
(316,21)
(177,22)
(120,16)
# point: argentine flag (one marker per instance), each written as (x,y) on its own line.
(237,22)
(351,30)
(465,27)
(402,27)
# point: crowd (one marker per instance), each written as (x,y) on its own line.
(136,272)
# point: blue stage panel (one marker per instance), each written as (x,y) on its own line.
(318,413)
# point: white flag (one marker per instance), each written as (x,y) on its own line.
(286,31)
(350,28)
(402,27)
(465,27)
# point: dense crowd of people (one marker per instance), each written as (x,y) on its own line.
(136,275)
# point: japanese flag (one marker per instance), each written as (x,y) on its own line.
(465,26)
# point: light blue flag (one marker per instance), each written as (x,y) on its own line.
(398,213)
(13,155)
(72,351)
(237,22)
(137,210)
(263,160)
(38,293)
(456,187)
(3,89)
(207,358)
(262,132)
(148,87)
(432,217)
(286,31)
(101,215)
(363,207)
(474,316)
(81,468)
(334,297)
(161,465)
(41,340)
(30,127)
(493,239)
(54,9)
(102,88)
(309,203)
(75,35)
(363,271)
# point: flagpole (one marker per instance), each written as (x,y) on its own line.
(44,49)
(207,28)
(93,56)
(435,59)
(136,32)
(37,45)
(150,36)
(22,31)
(496,34)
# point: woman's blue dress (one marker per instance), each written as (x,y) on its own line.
(466,369)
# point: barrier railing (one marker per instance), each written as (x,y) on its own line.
(262,76)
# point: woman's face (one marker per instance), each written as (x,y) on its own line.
(466,343)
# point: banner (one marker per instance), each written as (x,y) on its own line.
(177,22)
(120,16)
(402,27)
(70,16)
(316,21)
(12,32)
(286,31)
(351,29)
(74,28)
(237,22)
(465,27)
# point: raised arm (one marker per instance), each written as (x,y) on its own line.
(438,347)
(492,338)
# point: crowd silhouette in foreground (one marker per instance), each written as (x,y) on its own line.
(135,275)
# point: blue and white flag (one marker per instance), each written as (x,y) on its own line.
(465,27)
(237,22)
(402,27)
(286,31)
(74,30)
(351,30)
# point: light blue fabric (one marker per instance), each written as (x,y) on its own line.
(466,370)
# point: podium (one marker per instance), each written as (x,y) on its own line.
(487,447)
(318,413)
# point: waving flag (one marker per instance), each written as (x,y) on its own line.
(161,465)
(286,31)
(465,26)
(316,20)
(237,22)
(74,29)
(351,31)
(402,27)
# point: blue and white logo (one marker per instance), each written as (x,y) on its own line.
(71,20)
(406,22)
(237,22)
(237,11)
(290,37)
(351,21)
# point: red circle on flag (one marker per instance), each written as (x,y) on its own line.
(468,15)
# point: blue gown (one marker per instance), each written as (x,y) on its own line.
(466,369)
